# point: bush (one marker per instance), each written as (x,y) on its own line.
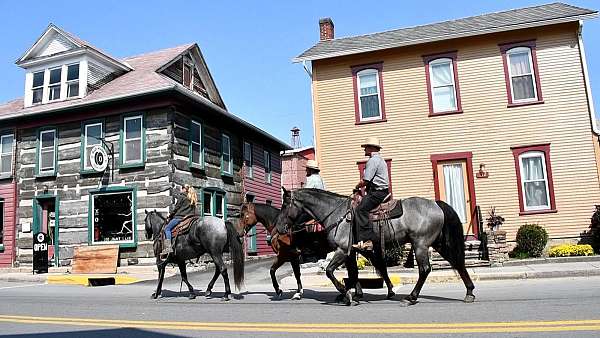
(362,262)
(518,254)
(531,239)
(566,250)
(595,230)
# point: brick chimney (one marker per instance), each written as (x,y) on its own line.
(326,29)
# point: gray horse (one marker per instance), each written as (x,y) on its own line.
(424,223)
(209,235)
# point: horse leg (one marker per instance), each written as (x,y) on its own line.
(161,276)
(422,257)
(276,265)
(462,271)
(295,262)
(338,259)
(208,291)
(223,268)
(379,264)
(183,272)
(352,269)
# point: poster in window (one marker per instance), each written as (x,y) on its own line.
(113,217)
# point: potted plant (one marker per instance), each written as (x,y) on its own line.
(494,221)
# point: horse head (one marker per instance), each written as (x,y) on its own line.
(247,218)
(152,223)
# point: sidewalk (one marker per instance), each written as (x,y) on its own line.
(314,276)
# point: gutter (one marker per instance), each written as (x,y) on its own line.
(586,80)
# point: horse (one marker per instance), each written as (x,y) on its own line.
(253,213)
(424,223)
(207,234)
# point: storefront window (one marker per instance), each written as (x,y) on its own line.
(113,217)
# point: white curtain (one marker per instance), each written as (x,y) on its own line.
(455,189)
(369,98)
(443,87)
(522,79)
(534,180)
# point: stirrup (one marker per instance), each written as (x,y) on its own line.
(363,246)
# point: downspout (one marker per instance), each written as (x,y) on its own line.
(312,103)
(586,80)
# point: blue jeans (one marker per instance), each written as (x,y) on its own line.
(170,227)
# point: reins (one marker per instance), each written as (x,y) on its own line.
(322,221)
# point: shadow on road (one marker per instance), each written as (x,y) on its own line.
(114,333)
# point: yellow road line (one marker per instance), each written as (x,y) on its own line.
(491,327)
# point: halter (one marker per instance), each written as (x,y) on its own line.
(251,209)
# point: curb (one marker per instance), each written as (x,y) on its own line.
(90,280)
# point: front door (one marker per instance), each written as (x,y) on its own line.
(454,189)
(45,219)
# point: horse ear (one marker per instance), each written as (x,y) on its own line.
(284,190)
(155,210)
(146,211)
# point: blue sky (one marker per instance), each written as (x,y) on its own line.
(247,45)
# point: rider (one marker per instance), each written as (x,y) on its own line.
(376,179)
(185,206)
(313,179)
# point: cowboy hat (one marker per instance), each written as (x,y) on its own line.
(312,164)
(372,141)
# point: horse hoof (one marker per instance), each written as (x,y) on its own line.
(207,293)
(225,298)
(192,296)
(348,298)
(469,298)
(154,296)
(278,294)
(408,301)
(390,294)
(297,296)
(340,298)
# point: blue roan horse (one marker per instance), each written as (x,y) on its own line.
(207,234)
(424,223)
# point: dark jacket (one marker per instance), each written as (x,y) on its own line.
(183,207)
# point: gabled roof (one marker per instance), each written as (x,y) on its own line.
(77,45)
(476,25)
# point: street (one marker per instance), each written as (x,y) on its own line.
(563,307)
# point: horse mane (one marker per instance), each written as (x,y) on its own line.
(321,192)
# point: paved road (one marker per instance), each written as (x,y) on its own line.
(567,307)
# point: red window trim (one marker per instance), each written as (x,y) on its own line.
(545,149)
(361,170)
(531,44)
(468,156)
(355,69)
(447,55)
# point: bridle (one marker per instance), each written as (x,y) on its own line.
(294,200)
(251,209)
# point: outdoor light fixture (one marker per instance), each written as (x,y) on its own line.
(482,173)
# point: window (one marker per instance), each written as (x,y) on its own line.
(47,152)
(368,93)
(219,205)
(248,159)
(112,217)
(207,207)
(55,84)
(214,204)
(267,158)
(521,73)
(37,88)
(132,147)
(73,80)
(442,83)
(187,75)
(92,136)
(6,154)
(196,150)
(534,178)
(226,155)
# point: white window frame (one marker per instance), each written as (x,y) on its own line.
(33,89)
(228,153)
(56,84)
(125,139)
(9,153)
(249,169)
(368,71)
(197,142)
(435,62)
(531,154)
(68,82)
(41,150)
(267,165)
(85,142)
(519,50)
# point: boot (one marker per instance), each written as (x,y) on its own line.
(167,249)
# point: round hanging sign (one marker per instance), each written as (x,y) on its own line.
(98,158)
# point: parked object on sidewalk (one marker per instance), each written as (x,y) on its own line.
(568,250)
(95,259)
(209,235)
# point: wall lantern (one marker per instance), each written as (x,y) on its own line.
(482,173)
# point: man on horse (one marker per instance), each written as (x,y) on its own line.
(185,206)
(313,179)
(376,180)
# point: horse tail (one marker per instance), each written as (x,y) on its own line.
(237,254)
(451,242)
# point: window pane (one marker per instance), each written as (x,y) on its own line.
(93,134)
(47,158)
(532,168)
(196,132)
(73,72)
(219,205)
(195,153)
(37,95)
(6,146)
(133,150)
(133,128)
(369,106)
(226,163)
(54,93)
(88,150)
(5,163)
(535,194)
(441,74)
(38,79)
(519,63)
(368,84)
(226,145)
(55,75)
(523,87)
(207,204)
(48,139)
(73,89)
(443,99)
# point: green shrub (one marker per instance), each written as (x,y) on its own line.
(518,254)
(566,250)
(531,238)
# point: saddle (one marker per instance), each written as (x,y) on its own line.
(184,226)
(388,209)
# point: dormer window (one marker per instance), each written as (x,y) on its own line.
(73,80)
(38,87)
(55,84)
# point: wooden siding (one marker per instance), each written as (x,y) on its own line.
(7,194)
(487,128)
(58,43)
(98,76)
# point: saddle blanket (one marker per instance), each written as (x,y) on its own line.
(184,226)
